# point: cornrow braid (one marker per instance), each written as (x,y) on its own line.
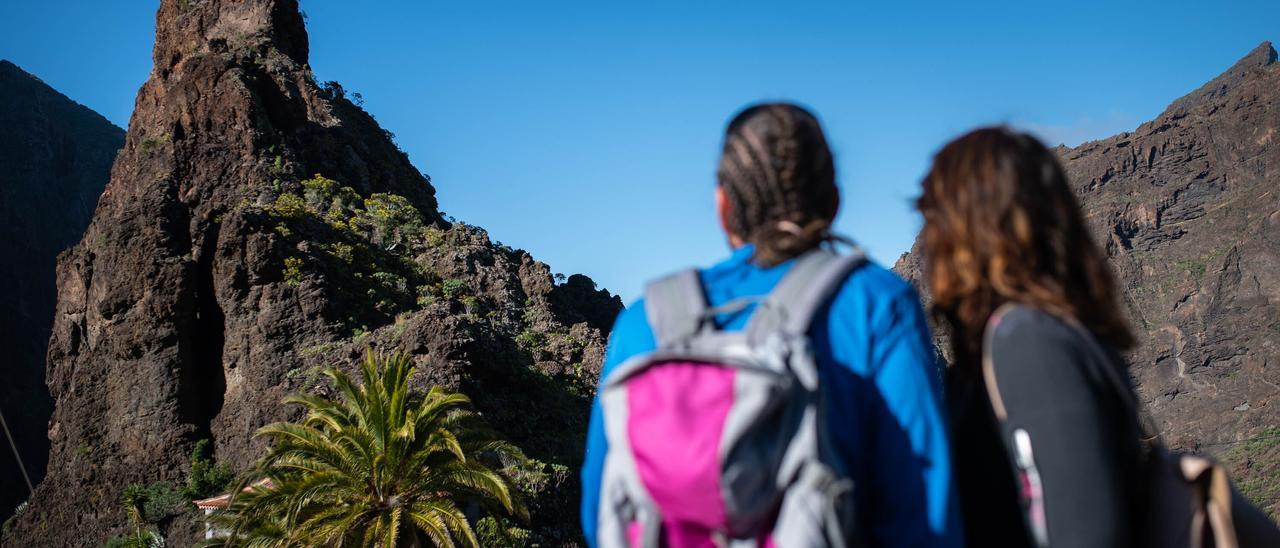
(779,179)
(749,162)
(787,192)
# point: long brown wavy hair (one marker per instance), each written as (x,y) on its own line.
(1003,225)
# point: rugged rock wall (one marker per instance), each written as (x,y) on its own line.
(55,158)
(1188,208)
(220,271)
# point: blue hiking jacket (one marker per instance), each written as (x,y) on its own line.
(874,348)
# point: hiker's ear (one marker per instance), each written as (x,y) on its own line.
(723,209)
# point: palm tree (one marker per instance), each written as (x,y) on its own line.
(135,501)
(378,466)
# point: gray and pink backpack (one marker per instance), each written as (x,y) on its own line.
(718,439)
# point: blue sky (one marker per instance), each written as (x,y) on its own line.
(588,132)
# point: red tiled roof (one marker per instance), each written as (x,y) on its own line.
(219,502)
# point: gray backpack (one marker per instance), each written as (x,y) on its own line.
(718,438)
(1189,501)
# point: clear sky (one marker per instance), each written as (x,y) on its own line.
(588,133)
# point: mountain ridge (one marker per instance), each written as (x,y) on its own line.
(1188,210)
(57,155)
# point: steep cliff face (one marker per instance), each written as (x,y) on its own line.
(258,225)
(56,157)
(1188,208)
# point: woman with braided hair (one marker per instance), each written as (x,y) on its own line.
(879,376)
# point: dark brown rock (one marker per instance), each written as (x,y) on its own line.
(198,298)
(55,158)
(1185,206)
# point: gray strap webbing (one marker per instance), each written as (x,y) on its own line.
(791,306)
(675,306)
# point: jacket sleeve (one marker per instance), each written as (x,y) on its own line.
(912,497)
(631,335)
(1075,436)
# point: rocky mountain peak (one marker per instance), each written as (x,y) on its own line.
(257,227)
(1260,58)
(265,28)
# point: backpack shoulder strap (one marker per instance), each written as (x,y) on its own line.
(805,289)
(989,364)
(1113,377)
(675,306)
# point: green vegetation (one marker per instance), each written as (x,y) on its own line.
(1257,473)
(289,206)
(377,258)
(434,237)
(159,500)
(453,288)
(320,348)
(151,143)
(277,166)
(380,465)
(8,523)
(293,271)
(531,340)
(1198,266)
(144,538)
(146,506)
(207,479)
(366,246)
(1193,267)
(535,313)
(491,531)
(343,252)
(390,220)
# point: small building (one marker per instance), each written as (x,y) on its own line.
(220,502)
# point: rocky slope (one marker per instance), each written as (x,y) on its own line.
(56,157)
(259,225)
(1188,207)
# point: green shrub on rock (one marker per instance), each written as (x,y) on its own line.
(289,206)
(292,271)
(207,479)
(530,340)
(391,220)
(453,288)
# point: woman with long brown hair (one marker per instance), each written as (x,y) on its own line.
(1036,334)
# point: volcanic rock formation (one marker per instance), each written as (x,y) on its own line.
(1188,209)
(257,226)
(55,158)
